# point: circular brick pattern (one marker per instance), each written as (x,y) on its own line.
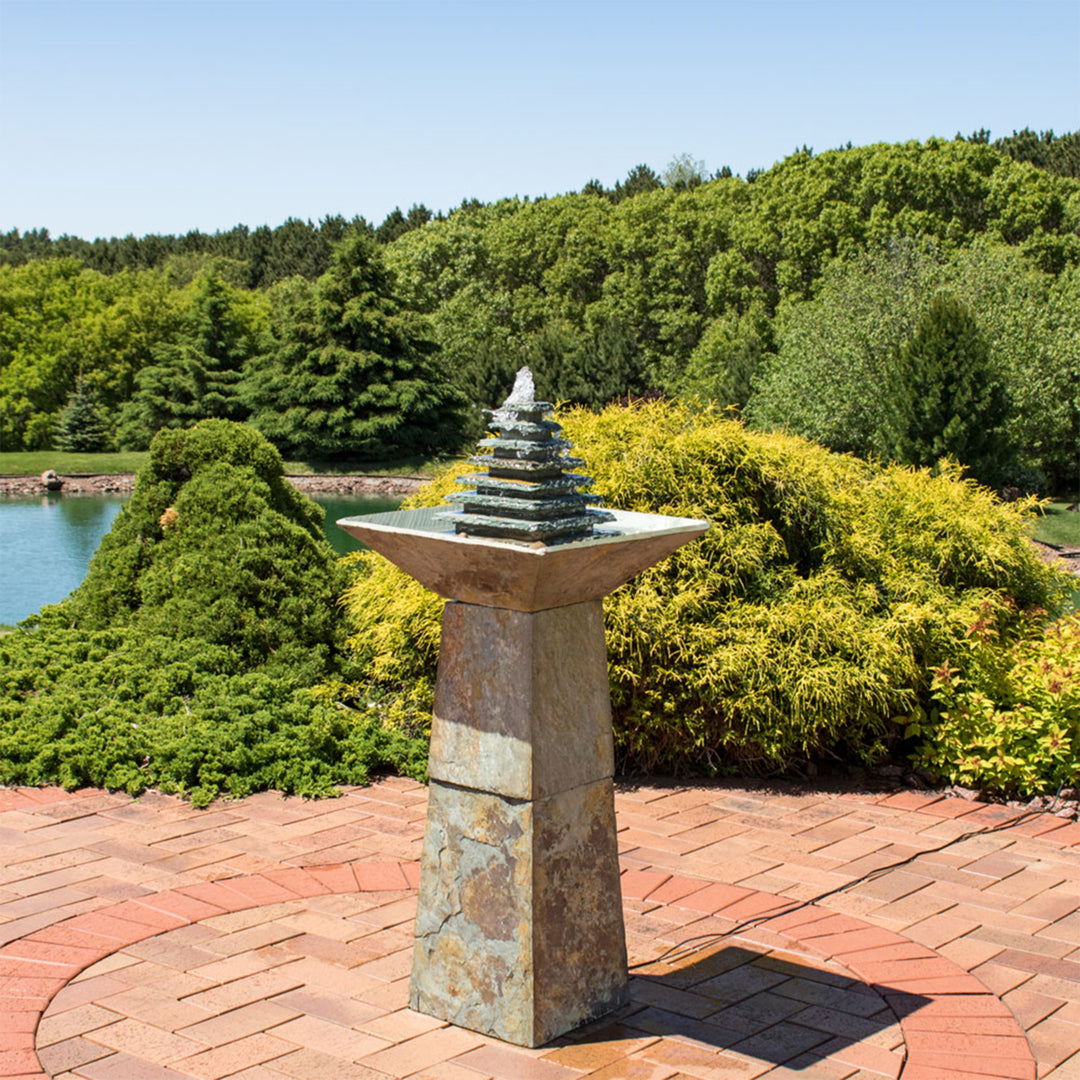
(730,982)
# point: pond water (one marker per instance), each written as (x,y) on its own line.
(46,542)
(340,506)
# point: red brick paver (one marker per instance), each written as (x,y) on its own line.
(774,934)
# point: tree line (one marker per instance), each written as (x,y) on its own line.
(302,247)
(865,296)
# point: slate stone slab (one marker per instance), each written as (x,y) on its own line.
(526,448)
(519,931)
(523,577)
(522,707)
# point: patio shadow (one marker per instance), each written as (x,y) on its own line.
(747,1002)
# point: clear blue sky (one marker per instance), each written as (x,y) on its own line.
(167,115)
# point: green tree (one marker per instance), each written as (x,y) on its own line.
(295,248)
(349,372)
(82,428)
(591,368)
(1055,383)
(728,357)
(57,319)
(833,351)
(809,209)
(639,180)
(825,380)
(944,397)
(1059,154)
(398,224)
(1031,320)
(661,248)
(497,278)
(684,172)
(196,376)
(696,277)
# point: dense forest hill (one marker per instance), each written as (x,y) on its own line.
(303,248)
(836,294)
(295,248)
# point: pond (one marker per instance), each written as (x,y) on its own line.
(340,506)
(46,542)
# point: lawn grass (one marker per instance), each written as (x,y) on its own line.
(1057,525)
(35,462)
(418,466)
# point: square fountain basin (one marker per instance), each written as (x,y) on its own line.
(521,577)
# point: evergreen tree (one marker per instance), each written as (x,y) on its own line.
(945,399)
(350,373)
(398,224)
(393,226)
(1058,154)
(82,428)
(590,368)
(196,376)
(295,249)
(639,180)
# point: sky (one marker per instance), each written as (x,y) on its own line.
(169,115)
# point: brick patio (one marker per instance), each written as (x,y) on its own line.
(815,936)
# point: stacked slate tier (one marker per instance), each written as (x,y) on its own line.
(526,494)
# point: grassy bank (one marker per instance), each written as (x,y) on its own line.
(35,462)
(419,466)
(1057,525)
(1060,526)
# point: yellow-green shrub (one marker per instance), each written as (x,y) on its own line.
(1008,720)
(802,624)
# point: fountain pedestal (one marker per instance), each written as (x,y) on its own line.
(519,930)
(516,932)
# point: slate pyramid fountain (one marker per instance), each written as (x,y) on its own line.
(526,493)
(519,930)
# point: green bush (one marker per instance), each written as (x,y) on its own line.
(193,656)
(203,654)
(801,626)
(1007,720)
(117,710)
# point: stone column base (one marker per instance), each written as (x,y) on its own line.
(519,932)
